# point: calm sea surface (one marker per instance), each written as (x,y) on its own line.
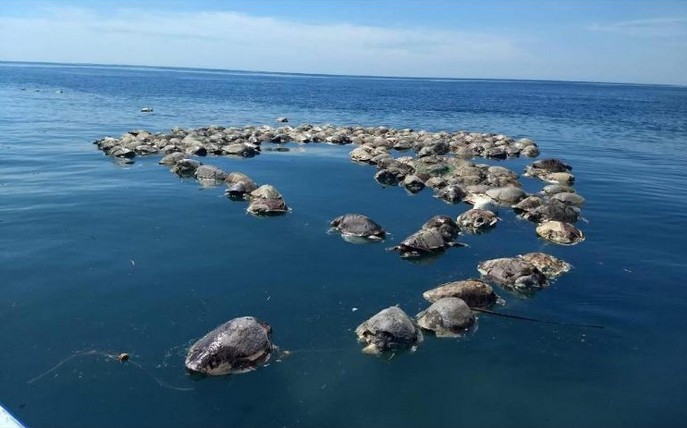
(95,256)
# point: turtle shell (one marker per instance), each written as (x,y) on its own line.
(358,225)
(239,345)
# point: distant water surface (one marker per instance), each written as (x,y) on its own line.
(98,256)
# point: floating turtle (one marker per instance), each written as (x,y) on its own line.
(237,346)
(424,242)
(568,198)
(514,273)
(476,293)
(562,178)
(560,232)
(209,175)
(266,191)
(549,265)
(507,195)
(172,158)
(528,204)
(389,330)
(549,165)
(185,167)
(413,184)
(553,189)
(358,226)
(552,210)
(447,317)
(239,185)
(444,224)
(267,206)
(451,193)
(477,220)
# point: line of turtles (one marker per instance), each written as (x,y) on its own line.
(441,162)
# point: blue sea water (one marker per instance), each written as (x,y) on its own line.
(96,256)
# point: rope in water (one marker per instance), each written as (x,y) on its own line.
(118,357)
(519,317)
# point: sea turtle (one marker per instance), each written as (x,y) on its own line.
(413,183)
(560,232)
(507,195)
(444,224)
(185,167)
(266,191)
(563,178)
(209,174)
(568,198)
(239,185)
(172,158)
(550,165)
(553,189)
(513,273)
(237,346)
(552,210)
(267,206)
(549,265)
(476,293)
(452,193)
(447,317)
(389,330)
(528,204)
(358,226)
(477,220)
(424,242)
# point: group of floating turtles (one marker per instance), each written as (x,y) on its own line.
(441,162)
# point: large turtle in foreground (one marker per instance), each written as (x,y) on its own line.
(358,226)
(447,317)
(237,346)
(389,330)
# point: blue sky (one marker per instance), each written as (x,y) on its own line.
(610,41)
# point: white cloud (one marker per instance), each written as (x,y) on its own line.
(239,41)
(664,27)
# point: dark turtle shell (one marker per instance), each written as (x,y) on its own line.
(514,273)
(444,224)
(446,317)
(239,345)
(388,330)
(358,225)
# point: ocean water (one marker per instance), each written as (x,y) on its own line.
(103,258)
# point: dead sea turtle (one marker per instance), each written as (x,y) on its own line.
(424,242)
(560,232)
(513,273)
(447,317)
(237,346)
(185,167)
(239,185)
(389,330)
(267,206)
(568,198)
(477,220)
(266,191)
(552,210)
(358,226)
(550,266)
(444,224)
(476,293)
(209,175)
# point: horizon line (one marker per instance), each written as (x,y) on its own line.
(304,74)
